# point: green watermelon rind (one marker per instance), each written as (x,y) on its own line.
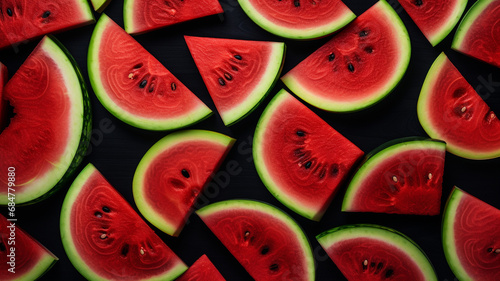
(162,145)
(160,124)
(382,233)
(380,154)
(294,33)
(265,207)
(100,5)
(128,16)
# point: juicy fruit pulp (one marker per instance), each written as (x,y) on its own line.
(3,103)
(372,252)
(48,136)
(142,16)
(450,109)
(345,73)
(299,157)
(266,241)
(476,34)
(298,19)
(104,237)
(470,231)
(202,269)
(134,86)
(238,73)
(404,176)
(24,20)
(165,190)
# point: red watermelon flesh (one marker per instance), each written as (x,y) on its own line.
(24,20)
(3,102)
(201,270)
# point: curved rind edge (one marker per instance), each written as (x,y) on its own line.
(448,27)
(469,18)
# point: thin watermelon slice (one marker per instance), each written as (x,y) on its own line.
(100,5)
(470,234)
(476,35)
(450,109)
(49,134)
(403,176)
(345,73)
(134,86)
(165,190)
(142,16)
(267,242)
(299,157)
(238,73)
(373,252)
(105,239)
(21,257)
(435,19)
(298,19)
(3,103)
(201,270)
(25,20)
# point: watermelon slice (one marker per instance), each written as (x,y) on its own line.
(470,234)
(403,176)
(3,103)
(450,109)
(267,242)
(238,73)
(299,157)
(345,73)
(100,5)
(476,35)
(373,252)
(201,270)
(49,134)
(142,16)
(25,20)
(21,258)
(298,19)
(105,239)
(166,190)
(435,19)
(134,86)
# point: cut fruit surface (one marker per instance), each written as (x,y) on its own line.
(403,176)
(165,190)
(3,103)
(449,109)
(238,73)
(299,157)
(201,270)
(134,86)
(105,239)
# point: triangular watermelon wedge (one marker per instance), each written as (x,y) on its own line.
(238,73)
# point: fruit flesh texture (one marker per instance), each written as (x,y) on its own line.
(201,269)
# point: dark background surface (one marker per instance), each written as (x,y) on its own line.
(117,148)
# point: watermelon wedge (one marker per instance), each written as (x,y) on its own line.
(298,19)
(449,109)
(201,270)
(134,86)
(267,242)
(345,73)
(238,73)
(3,103)
(403,176)
(26,20)
(166,190)
(100,5)
(142,16)
(21,258)
(105,239)
(470,234)
(373,252)
(49,134)
(435,19)
(476,34)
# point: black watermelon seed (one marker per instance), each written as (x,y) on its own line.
(296,3)
(372,264)
(264,250)
(350,67)
(221,82)
(369,50)
(143,84)
(9,12)
(335,170)
(419,2)
(301,133)
(173,86)
(490,250)
(274,267)
(228,76)
(389,273)
(234,68)
(331,57)
(46,14)
(380,265)
(238,57)
(308,165)
(363,33)
(185,173)
(106,209)
(98,214)
(125,250)
(2,247)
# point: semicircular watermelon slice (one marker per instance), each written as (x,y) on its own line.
(358,67)
(301,159)
(268,243)
(470,234)
(49,134)
(451,110)
(134,86)
(105,239)
(298,19)
(476,35)
(373,252)
(165,190)
(403,176)
(238,73)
